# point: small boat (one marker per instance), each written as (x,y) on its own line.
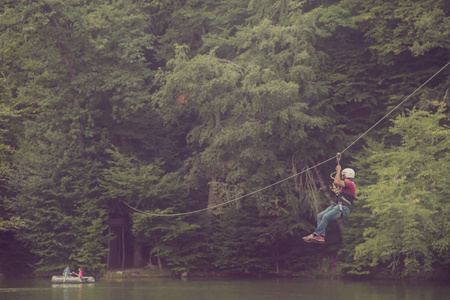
(63,279)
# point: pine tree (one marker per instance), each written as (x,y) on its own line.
(92,78)
(408,200)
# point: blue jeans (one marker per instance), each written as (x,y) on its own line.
(331,213)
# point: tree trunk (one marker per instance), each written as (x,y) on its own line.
(277,253)
(159,263)
(158,258)
(213,181)
(211,198)
(137,254)
(123,247)
(108,257)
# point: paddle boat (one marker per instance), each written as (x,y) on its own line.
(66,279)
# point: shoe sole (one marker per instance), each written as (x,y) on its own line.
(317,242)
(307,241)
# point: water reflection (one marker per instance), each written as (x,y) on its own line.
(166,289)
(71,291)
(71,285)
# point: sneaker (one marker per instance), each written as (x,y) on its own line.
(318,239)
(308,238)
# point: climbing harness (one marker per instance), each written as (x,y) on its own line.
(338,157)
(341,200)
(336,190)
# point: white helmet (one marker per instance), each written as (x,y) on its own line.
(349,173)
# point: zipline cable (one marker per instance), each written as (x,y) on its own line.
(401,103)
(229,201)
(296,174)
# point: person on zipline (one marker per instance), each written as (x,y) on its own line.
(345,194)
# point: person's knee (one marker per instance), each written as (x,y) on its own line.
(329,217)
(320,215)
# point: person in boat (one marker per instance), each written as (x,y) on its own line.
(345,190)
(80,273)
(66,272)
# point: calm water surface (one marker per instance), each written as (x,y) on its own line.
(274,289)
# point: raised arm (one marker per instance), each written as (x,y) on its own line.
(337,178)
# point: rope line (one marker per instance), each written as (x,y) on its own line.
(398,105)
(296,174)
(229,201)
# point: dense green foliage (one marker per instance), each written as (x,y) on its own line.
(408,200)
(178,106)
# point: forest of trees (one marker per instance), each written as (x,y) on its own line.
(174,106)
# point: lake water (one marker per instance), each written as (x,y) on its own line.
(274,289)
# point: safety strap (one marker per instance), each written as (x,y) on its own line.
(340,205)
(346,201)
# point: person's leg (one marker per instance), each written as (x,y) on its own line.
(309,238)
(326,211)
(331,214)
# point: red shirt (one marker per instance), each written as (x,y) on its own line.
(348,192)
(349,189)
